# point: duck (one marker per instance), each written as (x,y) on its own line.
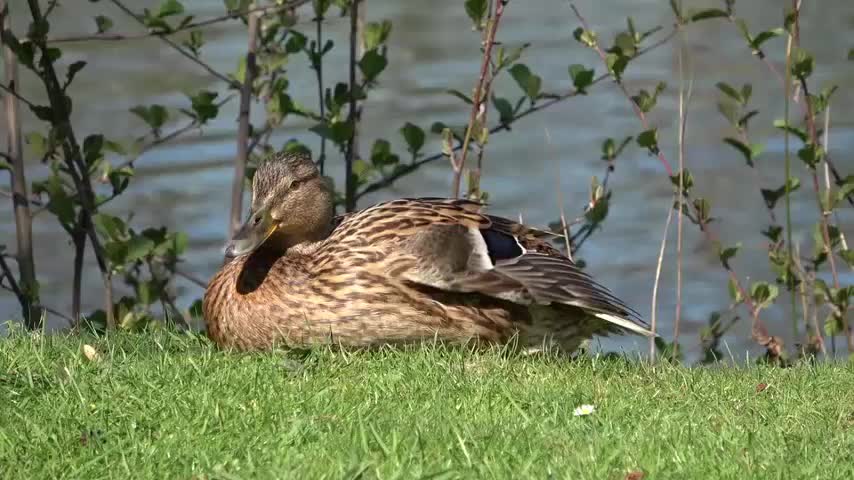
(399,272)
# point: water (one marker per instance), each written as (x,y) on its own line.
(184,185)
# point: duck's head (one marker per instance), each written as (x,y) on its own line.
(291,201)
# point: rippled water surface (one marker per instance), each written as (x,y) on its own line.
(185,184)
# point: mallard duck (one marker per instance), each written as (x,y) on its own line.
(401,271)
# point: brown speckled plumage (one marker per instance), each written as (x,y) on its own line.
(398,272)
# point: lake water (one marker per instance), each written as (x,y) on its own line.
(185,184)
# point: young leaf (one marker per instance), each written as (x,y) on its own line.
(649,140)
(726,254)
(372,64)
(376,34)
(154,116)
(707,14)
(203,105)
(169,8)
(802,63)
(527,81)
(504,108)
(414,137)
(731,92)
(476,10)
(581,77)
(745,150)
(103,24)
(763,294)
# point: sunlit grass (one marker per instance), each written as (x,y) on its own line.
(163,405)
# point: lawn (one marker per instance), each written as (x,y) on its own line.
(167,405)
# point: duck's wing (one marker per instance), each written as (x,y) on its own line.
(451,245)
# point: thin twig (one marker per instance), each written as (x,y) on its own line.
(640,114)
(262,10)
(552,101)
(480,95)
(242,157)
(317,65)
(190,277)
(20,194)
(76,167)
(653,314)
(146,147)
(14,91)
(230,81)
(563,223)
(710,236)
(353,118)
(684,100)
(78,238)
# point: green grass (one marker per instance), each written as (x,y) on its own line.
(163,405)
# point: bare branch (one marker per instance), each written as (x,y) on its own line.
(231,82)
(480,94)
(243,128)
(20,194)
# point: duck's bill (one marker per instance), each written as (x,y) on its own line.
(250,236)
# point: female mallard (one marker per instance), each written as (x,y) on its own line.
(398,272)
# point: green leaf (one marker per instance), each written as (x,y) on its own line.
(703,208)
(372,64)
(504,108)
(646,101)
(154,116)
(73,69)
(707,14)
(527,81)
(846,188)
(734,292)
(376,34)
(763,37)
(649,140)
(103,24)
(93,146)
(110,226)
(338,131)
(763,294)
(586,37)
(195,42)
(169,8)
(476,10)
(581,77)
(203,105)
(771,197)
(616,64)
(24,51)
(745,150)
(414,137)
(37,142)
(625,44)
(138,247)
(726,254)
(296,42)
(381,154)
(851,54)
(803,63)
(687,181)
(731,92)
(782,125)
(811,154)
(459,95)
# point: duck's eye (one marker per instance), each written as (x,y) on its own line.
(256,220)
(294,184)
